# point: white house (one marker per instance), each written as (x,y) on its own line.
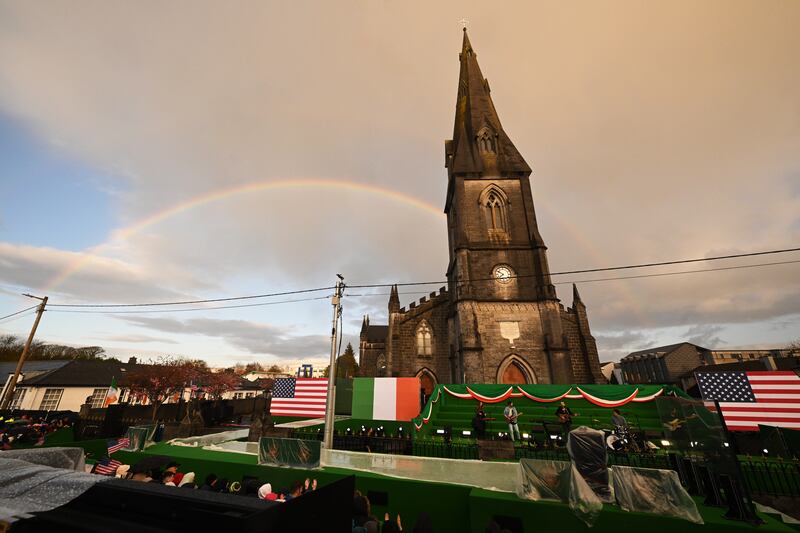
(63,385)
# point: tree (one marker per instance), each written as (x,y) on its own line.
(218,383)
(11,348)
(346,366)
(794,348)
(275,369)
(242,369)
(160,380)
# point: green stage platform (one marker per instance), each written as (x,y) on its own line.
(453,508)
(444,409)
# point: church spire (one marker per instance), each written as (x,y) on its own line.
(576,297)
(394,300)
(479,145)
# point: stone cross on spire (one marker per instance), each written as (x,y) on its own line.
(464,23)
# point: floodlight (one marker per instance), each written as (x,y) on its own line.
(665,443)
(440,431)
(525,435)
(466,433)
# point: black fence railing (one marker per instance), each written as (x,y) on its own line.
(777,478)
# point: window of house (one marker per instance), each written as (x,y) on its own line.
(98,398)
(16,401)
(424,339)
(238,396)
(51,399)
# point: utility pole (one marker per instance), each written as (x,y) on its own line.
(9,395)
(330,406)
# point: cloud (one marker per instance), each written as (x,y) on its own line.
(139,339)
(100,279)
(263,339)
(612,346)
(639,151)
(705,335)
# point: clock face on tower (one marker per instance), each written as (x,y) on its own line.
(503,273)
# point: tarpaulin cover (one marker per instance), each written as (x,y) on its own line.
(298,453)
(67,458)
(560,481)
(498,476)
(31,486)
(648,490)
(587,449)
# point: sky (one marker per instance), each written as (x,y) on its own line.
(156,151)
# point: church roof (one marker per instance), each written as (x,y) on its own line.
(660,351)
(475,115)
(377,333)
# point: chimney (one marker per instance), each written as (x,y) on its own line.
(132,361)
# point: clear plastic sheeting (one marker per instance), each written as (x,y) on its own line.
(486,475)
(647,490)
(234,446)
(208,440)
(67,458)
(139,437)
(587,449)
(559,481)
(27,487)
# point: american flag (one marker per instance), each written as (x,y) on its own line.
(299,397)
(115,445)
(748,399)
(107,467)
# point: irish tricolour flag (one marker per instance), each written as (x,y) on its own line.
(386,398)
(112,394)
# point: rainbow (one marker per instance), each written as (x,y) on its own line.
(84,258)
(87,256)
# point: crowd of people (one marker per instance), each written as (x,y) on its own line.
(170,475)
(27,430)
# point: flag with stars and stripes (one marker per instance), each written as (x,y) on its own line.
(115,445)
(299,397)
(107,467)
(747,399)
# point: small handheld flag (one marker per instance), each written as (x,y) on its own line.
(107,467)
(115,445)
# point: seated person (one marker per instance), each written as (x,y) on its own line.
(618,420)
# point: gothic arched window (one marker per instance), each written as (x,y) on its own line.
(486,141)
(494,205)
(380,366)
(424,339)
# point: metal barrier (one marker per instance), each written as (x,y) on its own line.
(777,478)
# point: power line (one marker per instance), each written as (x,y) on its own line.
(19,312)
(112,312)
(656,275)
(210,300)
(586,271)
(660,274)
(421,283)
(9,320)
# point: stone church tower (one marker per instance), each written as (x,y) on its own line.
(499,319)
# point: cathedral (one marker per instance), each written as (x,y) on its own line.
(499,319)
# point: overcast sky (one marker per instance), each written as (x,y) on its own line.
(656,131)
